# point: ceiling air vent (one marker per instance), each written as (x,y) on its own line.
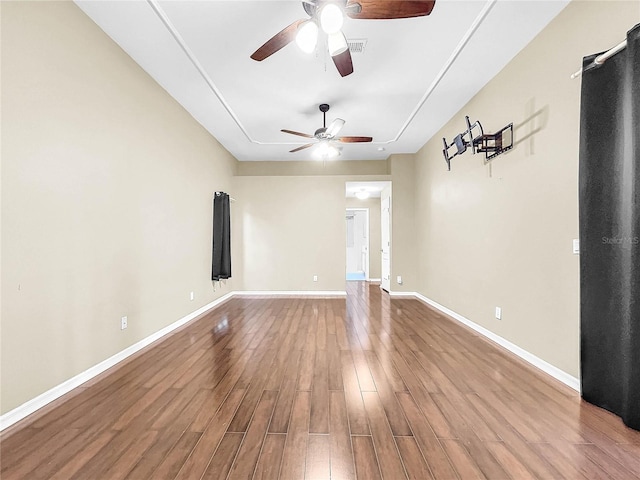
(356,45)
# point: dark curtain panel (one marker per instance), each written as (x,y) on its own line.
(609,232)
(221,259)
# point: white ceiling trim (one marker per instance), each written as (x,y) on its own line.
(216,91)
(416,75)
(465,39)
(192,58)
(210,83)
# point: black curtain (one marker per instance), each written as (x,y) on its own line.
(221,258)
(609,182)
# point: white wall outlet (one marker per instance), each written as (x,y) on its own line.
(576,246)
(499,313)
(399,279)
(124,323)
(315,278)
(191,296)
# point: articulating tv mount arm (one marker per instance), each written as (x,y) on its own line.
(475,138)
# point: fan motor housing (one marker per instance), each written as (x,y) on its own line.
(321,133)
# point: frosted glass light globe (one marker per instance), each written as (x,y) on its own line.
(331,18)
(307,36)
(326,150)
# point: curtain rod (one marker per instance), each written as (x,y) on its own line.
(603,57)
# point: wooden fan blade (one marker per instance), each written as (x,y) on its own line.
(354,139)
(388,9)
(343,63)
(306,135)
(302,147)
(279,40)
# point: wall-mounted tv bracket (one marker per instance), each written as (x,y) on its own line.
(491,144)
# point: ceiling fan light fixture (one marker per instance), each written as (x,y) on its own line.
(307,36)
(331,18)
(333,152)
(326,151)
(337,43)
(362,194)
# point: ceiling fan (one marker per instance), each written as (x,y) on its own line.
(326,135)
(329,16)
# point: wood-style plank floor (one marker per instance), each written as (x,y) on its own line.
(310,388)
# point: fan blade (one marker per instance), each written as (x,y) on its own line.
(302,147)
(334,127)
(354,139)
(343,63)
(279,40)
(306,135)
(389,9)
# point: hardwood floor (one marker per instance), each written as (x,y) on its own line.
(293,388)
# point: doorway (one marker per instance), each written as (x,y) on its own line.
(367,196)
(357,243)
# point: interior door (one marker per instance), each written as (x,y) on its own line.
(385,220)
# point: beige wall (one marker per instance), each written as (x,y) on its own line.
(107,186)
(329,167)
(292,228)
(501,234)
(373,204)
(403,234)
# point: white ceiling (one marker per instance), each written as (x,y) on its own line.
(413,76)
(374,189)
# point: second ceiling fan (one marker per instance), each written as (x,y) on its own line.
(325,135)
(329,16)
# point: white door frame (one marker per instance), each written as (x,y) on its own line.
(367,253)
(385,266)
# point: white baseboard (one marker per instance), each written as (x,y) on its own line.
(402,294)
(65,387)
(528,357)
(374,280)
(292,293)
(56,392)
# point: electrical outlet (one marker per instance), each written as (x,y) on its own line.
(123,323)
(315,278)
(499,313)
(191,296)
